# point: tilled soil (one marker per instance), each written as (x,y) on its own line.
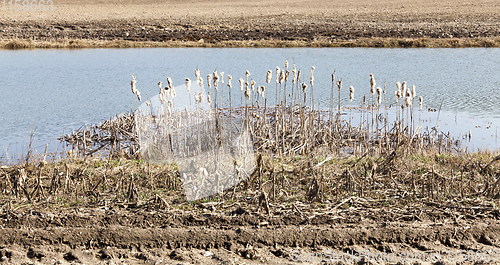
(214,22)
(220,234)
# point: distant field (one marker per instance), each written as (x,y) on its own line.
(474,23)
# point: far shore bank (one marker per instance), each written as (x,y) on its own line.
(15,44)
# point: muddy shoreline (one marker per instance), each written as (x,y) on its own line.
(162,33)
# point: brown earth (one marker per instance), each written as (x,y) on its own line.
(127,23)
(96,211)
(217,233)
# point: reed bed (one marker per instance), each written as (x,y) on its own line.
(303,153)
(294,124)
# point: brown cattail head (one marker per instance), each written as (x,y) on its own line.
(287,73)
(351,93)
(398,95)
(277,74)
(247,73)
(170,83)
(398,85)
(294,71)
(229,78)
(269,76)
(209,81)
(372,84)
(253,85)
(403,88)
(241,83)
(298,75)
(138,95)
(304,87)
(282,77)
(159,85)
(188,84)
(333,78)
(379,95)
(209,98)
(247,93)
(420,102)
(339,84)
(413,91)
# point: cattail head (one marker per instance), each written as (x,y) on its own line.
(159,85)
(216,80)
(209,81)
(269,76)
(247,93)
(209,98)
(408,101)
(253,85)
(298,75)
(132,85)
(398,85)
(287,73)
(241,83)
(196,98)
(222,77)
(188,84)
(304,87)
(403,88)
(379,95)
(138,95)
(294,71)
(286,64)
(197,73)
(351,93)
(420,102)
(398,95)
(262,90)
(333,78)
(229,78)
(312,75)
(247,73)
(277,74)
(339,84)
(372,84)
(282,77)
(169,82)
(413,92)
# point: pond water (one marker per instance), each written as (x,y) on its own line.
(54,91)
